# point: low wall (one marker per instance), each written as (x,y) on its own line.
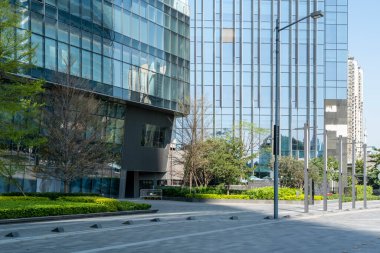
(251,185)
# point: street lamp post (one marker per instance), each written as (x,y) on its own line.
(276,127)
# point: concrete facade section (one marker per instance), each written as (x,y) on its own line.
(336,125)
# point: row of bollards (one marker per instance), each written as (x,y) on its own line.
(60,229)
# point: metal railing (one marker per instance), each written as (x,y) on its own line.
(151,194)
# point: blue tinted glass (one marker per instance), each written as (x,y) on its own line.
(50,54)
(86,64)
(107,70)
(97,67)
(75,61)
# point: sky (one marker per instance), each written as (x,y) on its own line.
(364,45)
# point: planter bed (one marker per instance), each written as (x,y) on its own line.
(14,207)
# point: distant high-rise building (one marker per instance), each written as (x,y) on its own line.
(355,107)
(232,64)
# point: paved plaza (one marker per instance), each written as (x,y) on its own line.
(209,230)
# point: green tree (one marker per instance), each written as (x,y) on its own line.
(291,172)
(372,171)
(19,96)
(228,160)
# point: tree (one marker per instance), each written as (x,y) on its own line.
(191,137)
(373,171)
(76,139)
(228,159)
(291,172)
(19,97)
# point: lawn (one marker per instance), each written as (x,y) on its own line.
(22,207)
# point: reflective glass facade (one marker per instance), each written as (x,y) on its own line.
(233,65)
(134,50)
(128,52)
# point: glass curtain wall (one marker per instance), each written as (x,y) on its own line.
(129,49)
(233,58)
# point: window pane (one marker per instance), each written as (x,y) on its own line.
(74,36)
(97,6)
(86,64)
(96,43)
(50,28)
(107,70)
(63,32)
(75,61)
(74,7)
(63,4)
(135,27)
(107,15)
(126,23)
(63,56)
(117,73)
(86,9)
(37,23)
(126,76)
(117,51)
(86,40)
(50,54)
(126,54)
(97,67)
(107,48)
(38,58)
(118,20)
(144,31)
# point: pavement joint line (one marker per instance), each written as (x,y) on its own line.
(121,246)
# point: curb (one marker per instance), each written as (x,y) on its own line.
(74,216)
(253,201)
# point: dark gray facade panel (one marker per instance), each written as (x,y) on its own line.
(136,156)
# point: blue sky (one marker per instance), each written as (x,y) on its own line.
(364,45)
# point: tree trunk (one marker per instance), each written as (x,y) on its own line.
(190,181)
(66,186)
(228,189)
(9,184)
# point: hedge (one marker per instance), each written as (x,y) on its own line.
(50,195)
(216,196)
(224,196)
(360,190)
(268,192)
(21,207)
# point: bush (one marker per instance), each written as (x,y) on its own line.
(20,207)
(50,195)
(112,204)
(174,191)
(22,198)
(216,196)
(46,209)
(300,197)
(360,190)
(268,192)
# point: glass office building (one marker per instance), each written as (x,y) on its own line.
(133,53)
(233,65)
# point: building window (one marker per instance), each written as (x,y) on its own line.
(162,182)
(228,35)
(153,136)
